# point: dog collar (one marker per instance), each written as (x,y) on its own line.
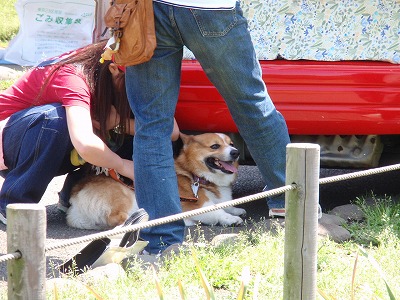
(113,174)
(196,184)
(184,199)
(200,180)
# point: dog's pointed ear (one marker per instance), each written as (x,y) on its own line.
(185,138)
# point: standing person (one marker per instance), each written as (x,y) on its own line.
(217,34)
(46,123)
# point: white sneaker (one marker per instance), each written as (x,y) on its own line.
(3,219)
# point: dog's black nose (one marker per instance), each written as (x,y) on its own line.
(235,153)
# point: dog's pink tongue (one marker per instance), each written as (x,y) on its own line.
(228,166)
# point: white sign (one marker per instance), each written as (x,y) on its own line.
(50,28)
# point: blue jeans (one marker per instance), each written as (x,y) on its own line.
(221,43)
(36,147)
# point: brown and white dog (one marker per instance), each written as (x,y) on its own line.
(100,202)
(206,169)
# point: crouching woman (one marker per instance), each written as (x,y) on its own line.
(46,123)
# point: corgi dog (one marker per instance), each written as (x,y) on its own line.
(206,169)
(100,202)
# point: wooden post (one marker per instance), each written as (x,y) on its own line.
(301,222)
(26,233)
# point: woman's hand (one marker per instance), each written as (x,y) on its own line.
(89,146)
(126,169)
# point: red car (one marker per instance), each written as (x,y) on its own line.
(350,108)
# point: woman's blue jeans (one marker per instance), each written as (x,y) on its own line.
(36,147)
(221,43)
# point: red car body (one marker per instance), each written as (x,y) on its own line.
(316,98)
(340,99)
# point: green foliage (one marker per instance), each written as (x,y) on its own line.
(207,287)
(4,84)
(9,22)
(374,274)
(376,266)
(381,224)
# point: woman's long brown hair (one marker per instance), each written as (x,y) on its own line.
(103,92)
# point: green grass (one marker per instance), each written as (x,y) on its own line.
(9,22)
(382,222)
(344,271)
(5,84)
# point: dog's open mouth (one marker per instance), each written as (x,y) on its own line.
(223,166)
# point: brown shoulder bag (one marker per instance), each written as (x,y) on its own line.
(133,39)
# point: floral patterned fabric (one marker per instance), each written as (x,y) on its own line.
(325,30)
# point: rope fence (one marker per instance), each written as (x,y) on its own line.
(359,174)
(157,222)
(302,164)
(11,256)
